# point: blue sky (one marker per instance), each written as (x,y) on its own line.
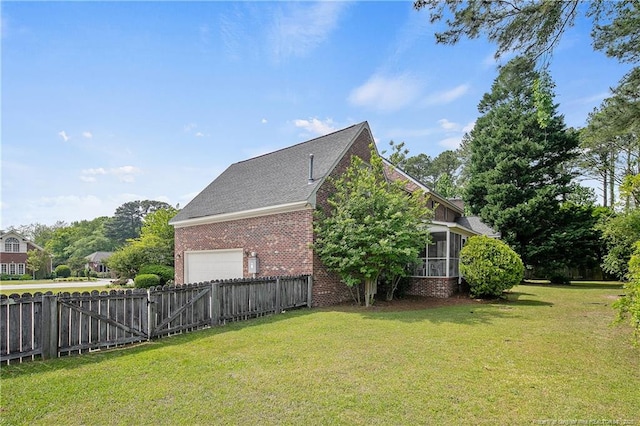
(104,103)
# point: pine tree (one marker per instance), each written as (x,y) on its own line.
(518,156)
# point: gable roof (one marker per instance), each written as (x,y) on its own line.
(439,198)
(13,233)
(476,224)
(279,178)
(98,256)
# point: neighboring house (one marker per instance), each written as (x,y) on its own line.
(256,219)
(13,254)
(96,262)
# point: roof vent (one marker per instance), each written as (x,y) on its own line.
(310,168)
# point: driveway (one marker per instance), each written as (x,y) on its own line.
(99,282)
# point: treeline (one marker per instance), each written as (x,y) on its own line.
(138,233)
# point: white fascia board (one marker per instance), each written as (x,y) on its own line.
(441,226)
(245,214)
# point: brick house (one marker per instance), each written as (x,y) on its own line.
(14,250)
(96,263)
(256,219)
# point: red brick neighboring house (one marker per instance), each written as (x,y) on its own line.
(96,262)
(13,254)
(256,219)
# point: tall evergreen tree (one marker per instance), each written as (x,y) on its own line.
(517,160)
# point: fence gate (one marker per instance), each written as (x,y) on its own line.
(179,309)
(86,322)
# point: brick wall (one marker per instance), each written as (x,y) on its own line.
(281,242)
(433,287)
(327,287)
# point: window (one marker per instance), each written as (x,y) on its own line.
(12,269)
(441,258)
(20,268)
(12,245)
(3,269)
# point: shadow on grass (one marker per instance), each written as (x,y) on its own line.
(38,365)
(579,285)
(460,310)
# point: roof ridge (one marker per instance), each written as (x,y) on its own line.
(300,143)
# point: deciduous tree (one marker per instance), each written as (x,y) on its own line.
(371,226)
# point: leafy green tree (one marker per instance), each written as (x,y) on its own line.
(155,246)
(37,262)
(440,173)
(127,220)
(372,226)
(628,306)
(611,148)
(620,232)
(490,266)
(517,173)
(575,243)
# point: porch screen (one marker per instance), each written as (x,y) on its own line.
(433,258)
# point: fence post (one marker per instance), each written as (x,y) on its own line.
(49,328)
(215,304)
(278,298)
(309,290)
(151,315)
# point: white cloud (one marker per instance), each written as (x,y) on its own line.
(448,125)
(87,135)
(189,127)
(451,143)
(447,96)
(316,126)
(386,93)
(263,121)
(63,135)
(124,173)
(469,127)
(299,28)
(98,171)
(199,134)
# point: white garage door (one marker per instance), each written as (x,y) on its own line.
(212,264)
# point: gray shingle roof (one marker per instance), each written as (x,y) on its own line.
(476,224)
(273,179)
(98,256)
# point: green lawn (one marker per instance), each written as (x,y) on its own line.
(547,355)
(98,286)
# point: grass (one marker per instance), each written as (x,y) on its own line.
(98,286)
(549,354)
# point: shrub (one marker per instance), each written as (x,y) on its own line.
(628,306)
(25,277)
(559,279)
(490,266)
(165,273)
(63,271)
(146,280)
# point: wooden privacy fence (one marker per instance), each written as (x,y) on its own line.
(50,326)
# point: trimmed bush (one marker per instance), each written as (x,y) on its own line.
(63,271)
(166,273)
(490,266)
(25,277)
(146,280)
(559,279)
